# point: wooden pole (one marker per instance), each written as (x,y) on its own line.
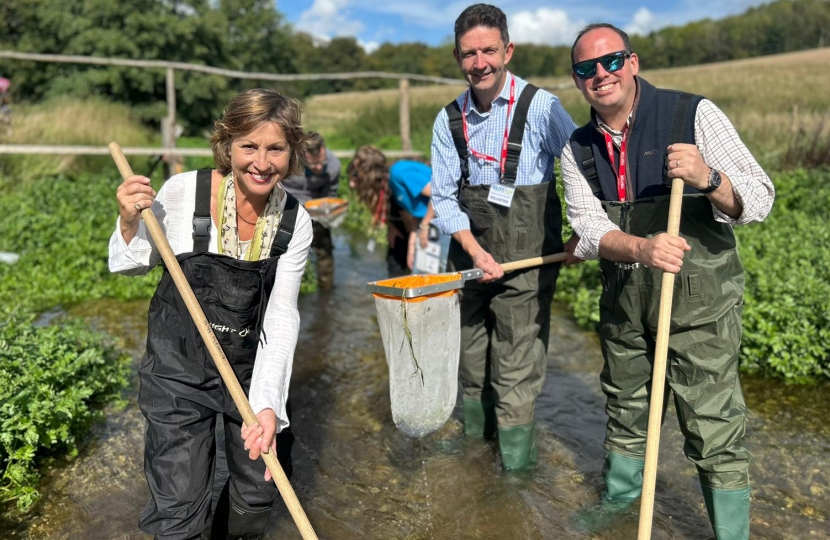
(212,344)
(534,261)
(406,142)
(658,376)
(160,64)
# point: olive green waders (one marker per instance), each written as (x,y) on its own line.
(505,324)
(702,363)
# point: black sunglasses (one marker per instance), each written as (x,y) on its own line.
(610,63)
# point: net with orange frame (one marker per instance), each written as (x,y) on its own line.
(419,323)
(328,211)
(419,284)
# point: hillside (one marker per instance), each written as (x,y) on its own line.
(767,98)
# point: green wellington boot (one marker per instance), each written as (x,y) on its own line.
(479,418)
(729,512)
(518,447)
(623,484)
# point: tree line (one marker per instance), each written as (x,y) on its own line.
(251,35)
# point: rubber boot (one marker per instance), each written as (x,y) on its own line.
(245,522)
(623,478)
(518,447)
(623,485)
(479,418)
(728,512)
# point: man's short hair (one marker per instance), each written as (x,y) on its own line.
(625,39)
(481,15)
(315,143)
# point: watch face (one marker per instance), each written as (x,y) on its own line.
(714,182)
(714,178)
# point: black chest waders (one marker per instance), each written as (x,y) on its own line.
(705,337)
(505,325)
(182,392)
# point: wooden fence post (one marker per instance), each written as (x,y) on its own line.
(406,142)
(174,163)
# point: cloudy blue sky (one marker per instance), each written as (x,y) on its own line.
(553,22)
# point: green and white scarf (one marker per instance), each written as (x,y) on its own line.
(266,224)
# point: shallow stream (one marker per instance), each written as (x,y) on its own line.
(357,477)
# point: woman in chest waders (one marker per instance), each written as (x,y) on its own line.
(242,242)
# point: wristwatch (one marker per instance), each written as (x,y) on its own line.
(714,182)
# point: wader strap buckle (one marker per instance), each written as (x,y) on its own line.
(201,226)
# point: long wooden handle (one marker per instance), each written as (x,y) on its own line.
(216,353)
(534,261)
(658,376)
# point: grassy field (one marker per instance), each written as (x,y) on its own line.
(773,101)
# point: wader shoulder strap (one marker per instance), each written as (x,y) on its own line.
(454,115)
(286,228)
(517,133)
(681,111)
(581,139)
(201,214)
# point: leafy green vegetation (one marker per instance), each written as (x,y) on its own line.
(61,227)
(52,383)
(787,263)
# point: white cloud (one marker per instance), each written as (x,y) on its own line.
(644,22)
(545,26)
(368,46)
(326,18)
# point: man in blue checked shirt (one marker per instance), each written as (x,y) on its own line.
(494,190)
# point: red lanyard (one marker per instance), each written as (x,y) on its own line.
(380,211)
(506,127)
(621,173)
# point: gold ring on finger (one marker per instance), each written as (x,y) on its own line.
(677,163)
(137,206)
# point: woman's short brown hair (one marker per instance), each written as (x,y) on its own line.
(246,112)
(369,173)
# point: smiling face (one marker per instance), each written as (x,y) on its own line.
(260,159)
(610,94)
(483,58)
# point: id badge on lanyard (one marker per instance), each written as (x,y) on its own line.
(501,194)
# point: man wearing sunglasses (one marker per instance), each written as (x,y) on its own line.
(617,170)
(493,153)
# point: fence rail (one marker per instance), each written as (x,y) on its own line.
(161,64)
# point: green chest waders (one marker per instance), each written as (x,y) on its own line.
(505,325)
(702,370)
